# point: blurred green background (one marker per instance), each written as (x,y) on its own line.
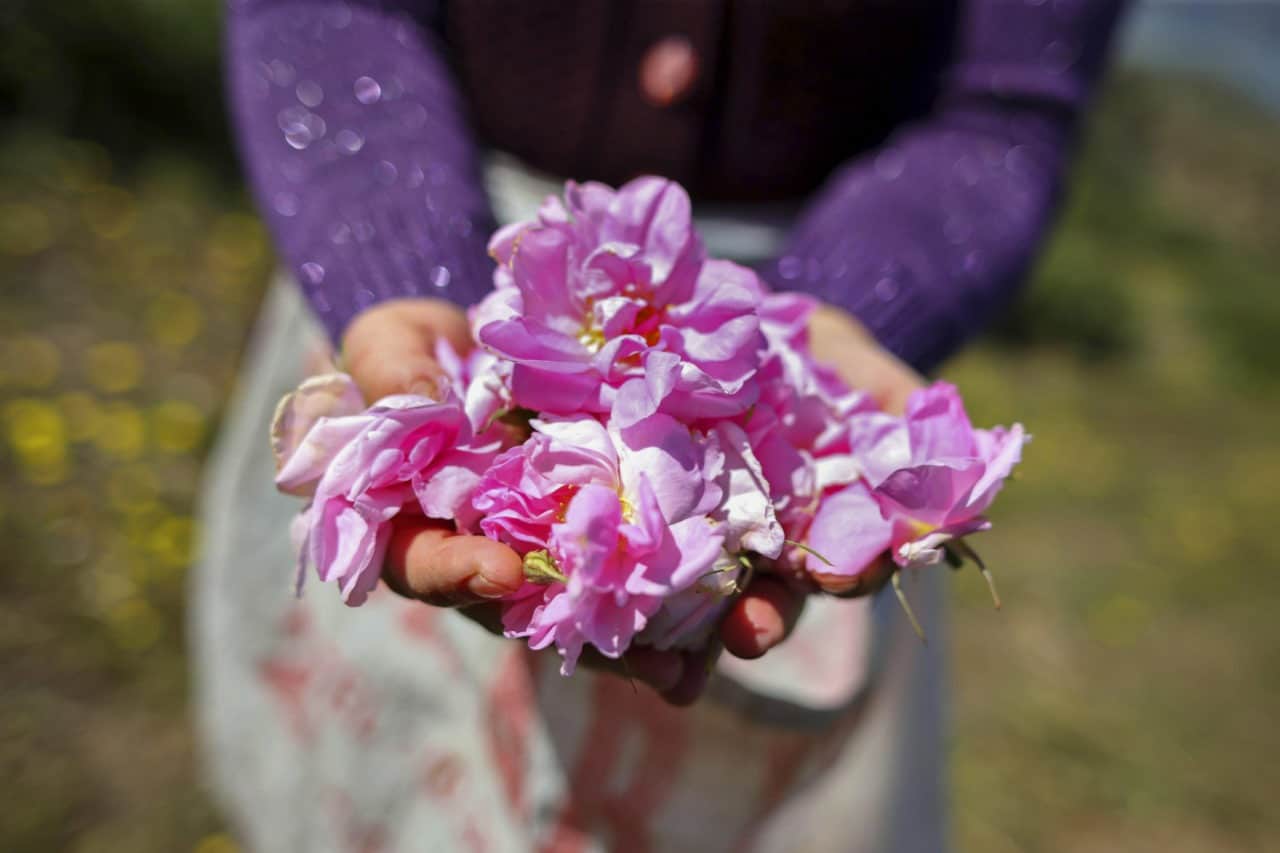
(1125,699)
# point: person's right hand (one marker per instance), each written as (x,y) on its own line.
(387,350)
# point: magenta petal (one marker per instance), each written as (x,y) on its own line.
(663,449)
(640,398)
(938,424)
(881,442)
(540,268)
(503,241)
(447,491)
(927,549)
(300,450)
(928,493)
(848,530)
(306,463)
(561,393)
(698,545)
(347,539)
(578,453)
(748,512)
(532,345)
(587,541)
(1002,450)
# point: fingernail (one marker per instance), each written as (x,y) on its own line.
(483,587)
(764,623)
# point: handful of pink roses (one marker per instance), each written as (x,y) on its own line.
(676,434)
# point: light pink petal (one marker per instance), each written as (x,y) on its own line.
(347,538)
(664,449)
(615,315)
(609,623)
(747,512)
(938,425)
(724,291)
(579,432)
(881,442)
(927,550)
(687,618)
(520,609)
(587,541)
(533,345)
(503,303)
(849,531)
(455,369)
(699,545)
(447,491)
(639,398)
(545,391)
(327,397)
(1002,450)
(503,241)
(309,459)
(578,453)
(735,342)
(540,269)
(928,493)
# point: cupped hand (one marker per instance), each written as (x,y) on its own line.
(388,350)
(766,613)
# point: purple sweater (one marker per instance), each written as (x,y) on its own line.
(358,148)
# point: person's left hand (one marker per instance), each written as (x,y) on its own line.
(763,616)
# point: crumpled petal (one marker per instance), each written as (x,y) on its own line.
(849,531)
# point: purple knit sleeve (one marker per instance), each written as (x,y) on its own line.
(357,148)
(927,237)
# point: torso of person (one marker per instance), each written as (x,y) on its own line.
(739,100)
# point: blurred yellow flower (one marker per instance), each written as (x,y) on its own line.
(121,431)
(177,426)
(238,242)
(174,319)
(36,432)
(170,542)
(219,842)
(114,366)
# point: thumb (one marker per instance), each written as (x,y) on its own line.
(390,348)
(839,340)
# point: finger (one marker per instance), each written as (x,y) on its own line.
(428,560)
(389,349)
(661,670)
(839,340)
(869,580)
(693,680)
(761,618)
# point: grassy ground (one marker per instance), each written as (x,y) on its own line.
(1123,700)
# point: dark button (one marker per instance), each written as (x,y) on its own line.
(668,71)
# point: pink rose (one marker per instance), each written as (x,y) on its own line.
(606,303)
(928,477)
(362,469)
